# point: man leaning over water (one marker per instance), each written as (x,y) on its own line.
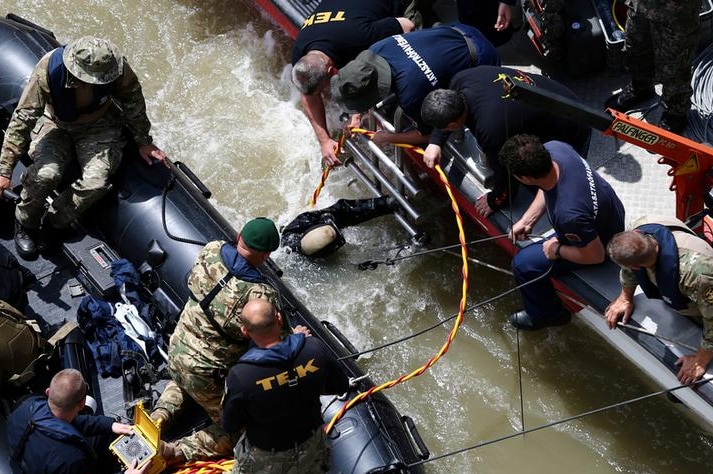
(670,262)
(330,38)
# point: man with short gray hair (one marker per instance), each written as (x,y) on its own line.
(78,101)
(669,262)
(331,37)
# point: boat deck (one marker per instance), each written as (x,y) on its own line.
(643,186)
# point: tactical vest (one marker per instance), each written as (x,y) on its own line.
(195,342)
(21,345)
(671,235)
(63,98)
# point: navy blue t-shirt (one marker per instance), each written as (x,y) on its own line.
(342,29)
(583,206)
(425,60)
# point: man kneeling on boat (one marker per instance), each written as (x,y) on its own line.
(671,263)
(81,97)
(585,213)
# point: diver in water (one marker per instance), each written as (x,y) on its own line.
(317,233)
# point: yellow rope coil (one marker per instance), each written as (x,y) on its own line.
(207,467)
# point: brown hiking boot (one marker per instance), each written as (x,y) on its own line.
(171,453)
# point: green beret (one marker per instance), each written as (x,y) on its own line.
(261,234)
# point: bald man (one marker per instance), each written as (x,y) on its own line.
(274,393)
(48,435)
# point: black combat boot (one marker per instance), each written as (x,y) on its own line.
(522,320)
(675,123)
(632,95)
(25,242)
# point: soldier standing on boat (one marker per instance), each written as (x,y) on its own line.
(274,393)
(208,338)
(660,41)
(331,37)
(585,213)
(474,99)
(75,106)
(410,66)
(670,262)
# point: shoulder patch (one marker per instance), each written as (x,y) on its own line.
(524,77)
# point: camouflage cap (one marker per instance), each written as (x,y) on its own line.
(93,60)
(261,234)
(362,83)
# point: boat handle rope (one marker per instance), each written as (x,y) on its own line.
(451,336)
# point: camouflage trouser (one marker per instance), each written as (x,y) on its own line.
(212,441)
(664,49)
(97,147)
(310,457)
(412,13)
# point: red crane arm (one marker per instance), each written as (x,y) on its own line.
(690,162)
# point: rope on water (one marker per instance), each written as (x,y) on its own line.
(451,336)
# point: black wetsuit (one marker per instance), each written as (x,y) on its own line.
(343,213)
(274,393)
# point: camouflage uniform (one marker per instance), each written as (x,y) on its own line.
(199,357)
(661,39)
(309,457)
(95,138)
(695,265)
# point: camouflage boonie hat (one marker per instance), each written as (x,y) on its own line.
(93,60)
